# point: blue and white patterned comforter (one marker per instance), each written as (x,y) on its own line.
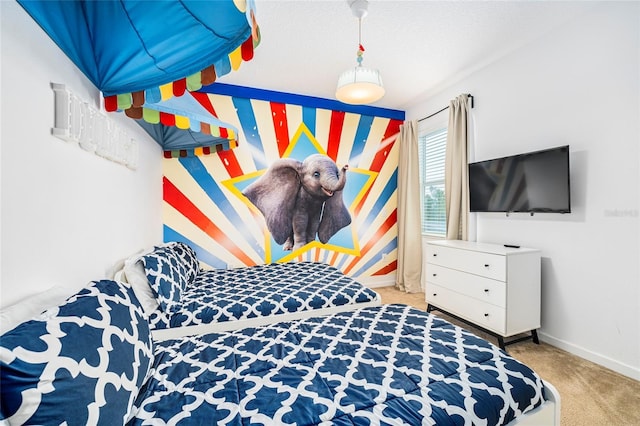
(388,364)
(232,294)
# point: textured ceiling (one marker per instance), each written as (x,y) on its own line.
(418,46)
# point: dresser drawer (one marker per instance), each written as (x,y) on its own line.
(488,265)
(481,288)
(483,314)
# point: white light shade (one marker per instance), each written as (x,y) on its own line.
(359,85)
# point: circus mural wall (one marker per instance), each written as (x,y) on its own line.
(306,181)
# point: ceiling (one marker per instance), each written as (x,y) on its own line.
(418,46)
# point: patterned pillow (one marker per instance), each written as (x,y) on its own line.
(82,362)
(188,257)
(167,276)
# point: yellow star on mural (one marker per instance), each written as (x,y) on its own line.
(304,146)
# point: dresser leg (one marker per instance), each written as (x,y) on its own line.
(429,307)
(501,342)
(534,337)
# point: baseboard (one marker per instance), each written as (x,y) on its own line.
(378,281)
(611,364)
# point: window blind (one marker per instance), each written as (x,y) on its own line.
(432,149)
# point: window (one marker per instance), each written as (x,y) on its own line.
(432,146)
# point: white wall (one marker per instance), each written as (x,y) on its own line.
(67,215)
(578,85)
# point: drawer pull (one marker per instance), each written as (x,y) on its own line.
(435,294)
(435,254)
(435,275)
(486,290)
(486,315)
(486,265)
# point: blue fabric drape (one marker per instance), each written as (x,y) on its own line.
(128,46)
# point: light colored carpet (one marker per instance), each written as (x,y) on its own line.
(590,394)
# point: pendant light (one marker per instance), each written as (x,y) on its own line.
(359,85)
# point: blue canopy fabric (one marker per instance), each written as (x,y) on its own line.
(140,54)
(189,135)
(130,46)
(184,141)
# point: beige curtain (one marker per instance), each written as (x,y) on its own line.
(456,170)
(409,272)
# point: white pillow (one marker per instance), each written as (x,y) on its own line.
(32,306)
(133,274)
(115,269)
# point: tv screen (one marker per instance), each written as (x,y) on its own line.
(531,182)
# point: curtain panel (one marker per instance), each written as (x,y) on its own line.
(456,170)
(409,271)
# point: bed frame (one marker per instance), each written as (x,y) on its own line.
(546,414)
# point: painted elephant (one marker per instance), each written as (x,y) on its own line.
(301,199)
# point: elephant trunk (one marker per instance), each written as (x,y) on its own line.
(334,182)
(342,178)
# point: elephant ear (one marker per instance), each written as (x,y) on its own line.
(335,216)
(274,194)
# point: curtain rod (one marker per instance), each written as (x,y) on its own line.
(445,108)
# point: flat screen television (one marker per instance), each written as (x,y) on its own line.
(533,182)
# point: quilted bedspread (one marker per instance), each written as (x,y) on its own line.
(389,364)
(230,294)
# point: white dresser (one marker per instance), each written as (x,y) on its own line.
(493,287)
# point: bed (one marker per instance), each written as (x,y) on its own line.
(182,299)
(92,360)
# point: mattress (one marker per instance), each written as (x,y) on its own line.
(232,296)
(389,364)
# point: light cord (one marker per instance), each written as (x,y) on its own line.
(360,48)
